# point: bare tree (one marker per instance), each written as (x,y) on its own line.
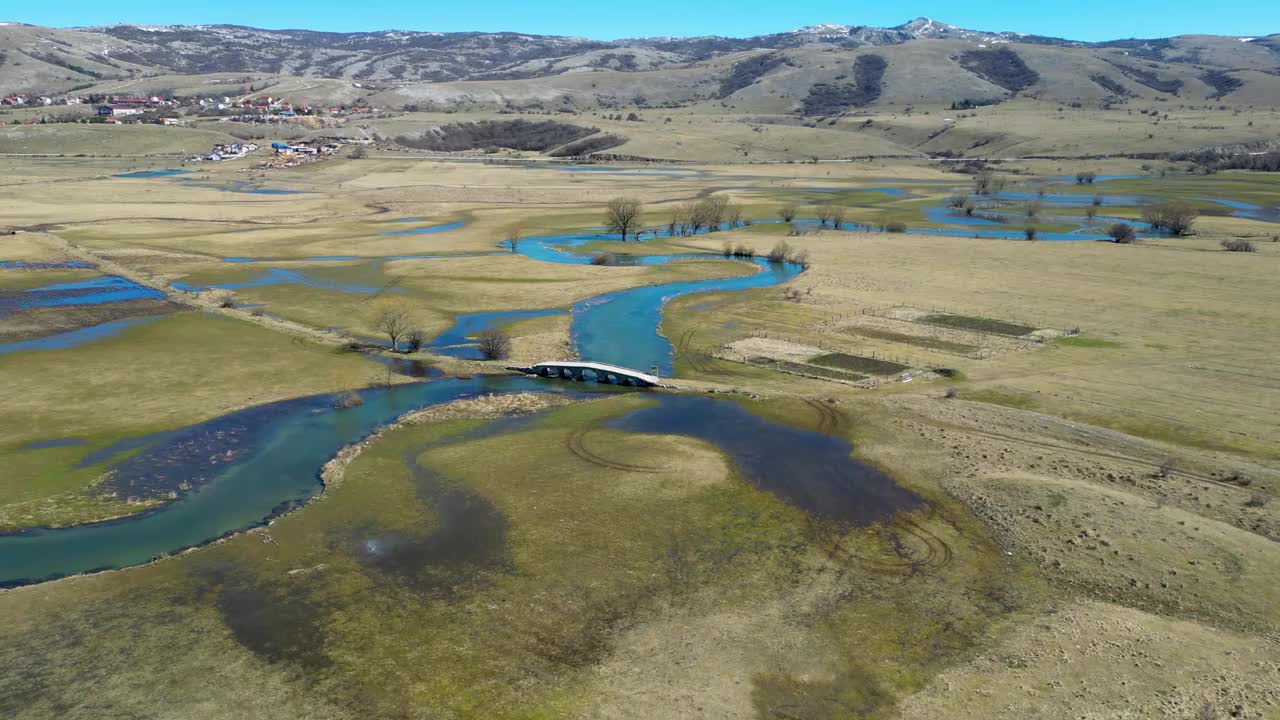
(394,323)
(1091,213)
(788,212)
(983,182)
(1176,217)
(699,216)
(414,340)
(513,238)
(837,216)
(717,208)
(823,213)
(494,344)
(622,215)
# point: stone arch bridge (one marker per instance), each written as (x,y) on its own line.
(601,372)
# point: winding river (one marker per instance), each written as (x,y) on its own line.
(241,469)
(246,467)
(249,466)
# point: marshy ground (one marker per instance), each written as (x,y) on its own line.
(1095,525)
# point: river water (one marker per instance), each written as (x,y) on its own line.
(248,466)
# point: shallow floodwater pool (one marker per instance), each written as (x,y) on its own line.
(250,465)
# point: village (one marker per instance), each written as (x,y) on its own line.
(160,110)
(175,111)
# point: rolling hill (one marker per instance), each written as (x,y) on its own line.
(910,89)
(49,60)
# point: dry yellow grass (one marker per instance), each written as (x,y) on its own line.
(1094,660)
(1188,362)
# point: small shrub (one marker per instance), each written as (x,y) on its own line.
(415,340)
(602,258)
(951,393)
(1166,467)
(494,344)
(780,252)
(1256,501)
(348,399)
(1122,233)
(1238,246)
(1238,477)
(1029,232)
(895,227)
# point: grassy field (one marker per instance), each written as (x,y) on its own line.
(1184,366)
(1089,496)
(582,607)
(160,375)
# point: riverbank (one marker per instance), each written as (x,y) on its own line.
(487,407)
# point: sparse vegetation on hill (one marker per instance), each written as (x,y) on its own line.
(835,98)
(529,135)
(1001,67)
(746,72)
(1221,82)
(1110,85)
(1148,78)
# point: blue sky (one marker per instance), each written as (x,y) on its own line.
(608,19)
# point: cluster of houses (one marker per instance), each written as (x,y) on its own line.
(40,101)
(228,151)
(117,107)
(113,108)
(284,154)
(300,153)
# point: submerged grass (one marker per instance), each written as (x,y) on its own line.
(588,565)
(173,372)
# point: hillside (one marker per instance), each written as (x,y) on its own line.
(37,59)
(923,87)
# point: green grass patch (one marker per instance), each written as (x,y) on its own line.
(977,324)
(807,369)
(859,364)
(1086,342)
(916,340)
(175,371)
